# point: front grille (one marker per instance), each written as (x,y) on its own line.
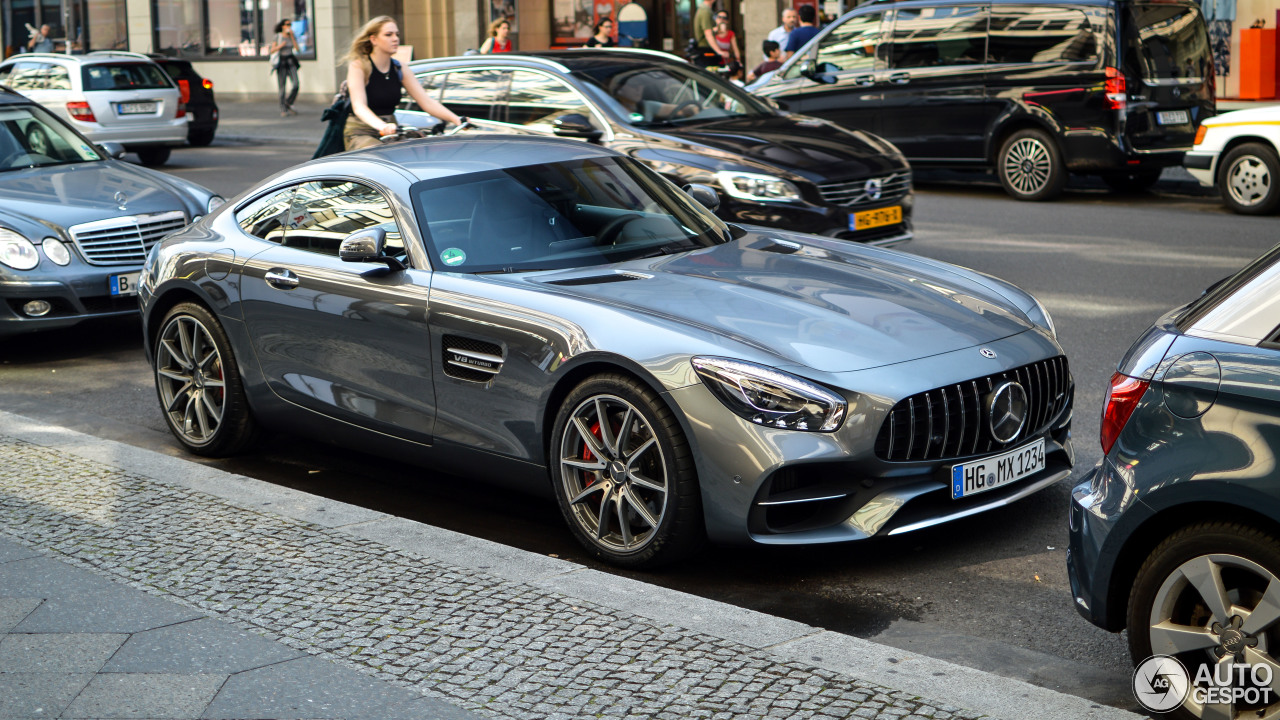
(857,193)
(950,422)
(124,240)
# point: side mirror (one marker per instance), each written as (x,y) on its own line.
(575,125)
(366,246)
(823,73)
(112,149)
(705,195)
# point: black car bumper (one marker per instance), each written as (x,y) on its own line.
(74,301)
(822,220)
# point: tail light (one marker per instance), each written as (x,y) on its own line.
(1200,133)
(1115,90)
(81,111)
(1122,398)
(184,91)
(207,84)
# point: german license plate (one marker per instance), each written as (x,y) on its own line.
(135,108)
(989,473)
(868,219)
(1173,117)
(126,284)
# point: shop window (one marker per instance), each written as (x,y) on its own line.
(229,28)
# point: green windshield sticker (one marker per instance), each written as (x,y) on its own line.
(453,256)
(637,117)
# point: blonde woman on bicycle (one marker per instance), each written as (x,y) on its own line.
(375,81)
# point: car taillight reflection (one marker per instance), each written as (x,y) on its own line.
(1114,87)
(1122,398)
(81,111)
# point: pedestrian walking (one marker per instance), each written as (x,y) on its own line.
(603,36)
(499,40)
(374,83)
(284,63)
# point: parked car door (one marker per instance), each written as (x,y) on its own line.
(934,104)
(349,340)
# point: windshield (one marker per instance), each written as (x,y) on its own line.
(576,213)
(31,137)
(647,95)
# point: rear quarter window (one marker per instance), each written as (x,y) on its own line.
(125,76)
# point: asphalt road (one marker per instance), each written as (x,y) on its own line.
(990,592)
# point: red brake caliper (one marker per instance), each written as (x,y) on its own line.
(588,456)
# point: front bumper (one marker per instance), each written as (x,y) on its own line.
(1202,166)
(75,298)
(816,219)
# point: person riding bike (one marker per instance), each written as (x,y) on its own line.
(374,82)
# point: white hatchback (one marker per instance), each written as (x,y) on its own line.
(108,96)
(1236,151)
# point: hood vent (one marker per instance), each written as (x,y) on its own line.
(599,279)
(471,360)
(782,247)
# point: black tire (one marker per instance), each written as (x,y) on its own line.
(153,156)
(642,527)
(1030,166)
(198,382)
(1246,560)
(202,137)
(1131,182)
(1248,176)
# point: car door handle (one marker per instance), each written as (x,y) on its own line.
(900,78)
(281,279)
(864,80)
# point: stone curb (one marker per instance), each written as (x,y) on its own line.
(784,640)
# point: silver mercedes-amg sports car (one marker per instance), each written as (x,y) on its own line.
(555,314)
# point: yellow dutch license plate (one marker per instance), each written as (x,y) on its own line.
(868,219)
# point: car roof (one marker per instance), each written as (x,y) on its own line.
(97,57)
(442,157)
(568,60)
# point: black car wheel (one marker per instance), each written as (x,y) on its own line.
(624,474)
(201,393)
(1247,178)
(1030,166)
(1209,595)
(201,137)
(1132,182)
(153,156)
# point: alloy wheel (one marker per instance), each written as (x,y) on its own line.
(1027,165)
(1248,180)
(1218,611)
(189,375)
(614,473)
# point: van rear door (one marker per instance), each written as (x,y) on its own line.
(1168,69)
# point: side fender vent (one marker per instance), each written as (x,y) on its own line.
(471,360)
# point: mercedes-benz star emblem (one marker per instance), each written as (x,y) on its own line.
(987,353)
(873,189)
(121,199)
(1007,411)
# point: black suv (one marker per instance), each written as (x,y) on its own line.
(1033,89)
(197,93)
(770,168)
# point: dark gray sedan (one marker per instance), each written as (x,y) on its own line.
(558,316)
(75,224)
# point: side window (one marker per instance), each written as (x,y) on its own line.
(433,83)
(474,93)
(59,78)
(27,76)
(939,36)
(1037,34)
(324,212)
(853,45)
(265,218)
(536,100)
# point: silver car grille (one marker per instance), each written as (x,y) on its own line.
(866,192)
(124,240)
(950,422)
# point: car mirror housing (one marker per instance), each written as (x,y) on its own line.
(575,125)
(366,246)
(705,195)
(822,73)
(112,149)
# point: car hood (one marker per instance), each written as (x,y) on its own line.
(815,149)
(66,195)
(1270,114)
(809,304)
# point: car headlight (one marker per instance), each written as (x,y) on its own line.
(757,188)
(16,251)
(215,202)
(55,250)
(770,397)
(1040,316)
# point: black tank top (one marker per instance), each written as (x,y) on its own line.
(383,90)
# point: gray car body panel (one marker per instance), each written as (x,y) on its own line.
(363,347)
